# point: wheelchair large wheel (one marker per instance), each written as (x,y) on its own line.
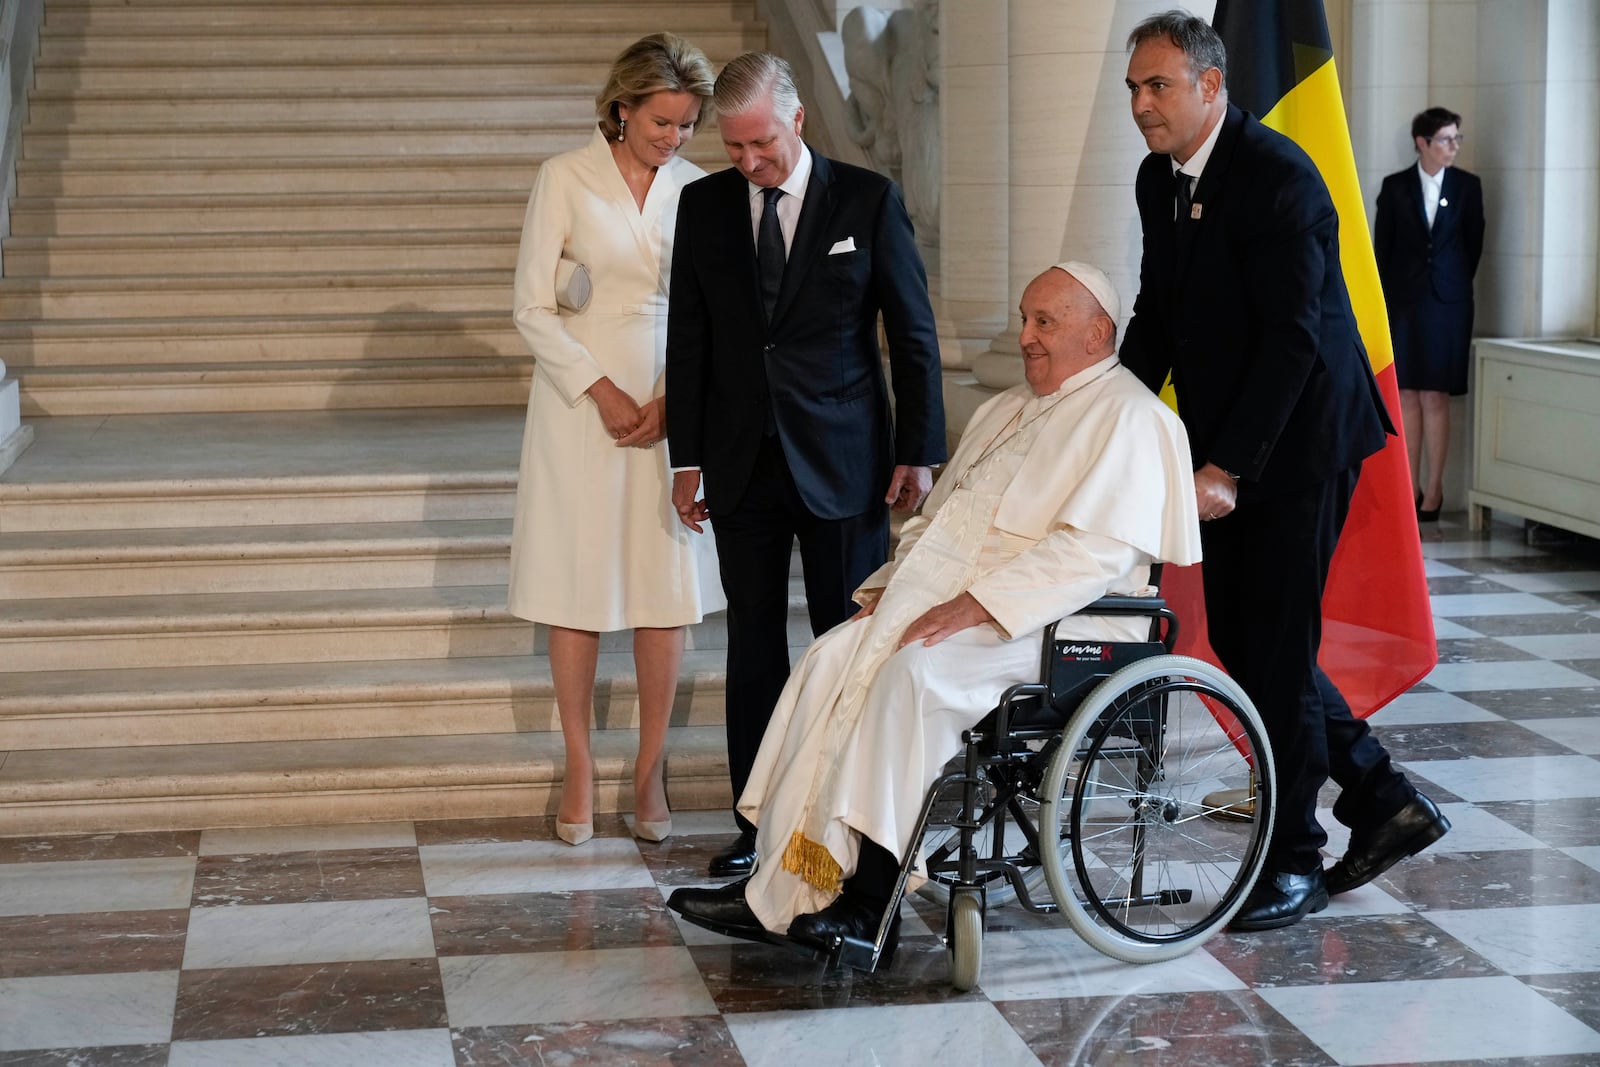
(941,841)
(966,939)
(1144,868)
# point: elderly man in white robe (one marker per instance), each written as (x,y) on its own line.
(1063,490)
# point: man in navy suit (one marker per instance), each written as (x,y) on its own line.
(775,389)
(1428,237)
(1242,300)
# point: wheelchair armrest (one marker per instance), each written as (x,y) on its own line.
(1154,607)
(1124,605)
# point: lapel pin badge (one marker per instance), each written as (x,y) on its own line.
(1444,201)
(1194,210)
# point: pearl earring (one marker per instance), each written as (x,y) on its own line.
(622,128)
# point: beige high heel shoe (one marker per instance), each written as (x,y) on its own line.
(575,833)
(656,830)
(646,830)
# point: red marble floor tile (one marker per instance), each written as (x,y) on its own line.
(319,998)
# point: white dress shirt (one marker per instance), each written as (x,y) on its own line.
(1432,187)
(794,186)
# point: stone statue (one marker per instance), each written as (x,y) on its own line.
(892,59)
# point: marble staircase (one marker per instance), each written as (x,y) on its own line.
(257,296)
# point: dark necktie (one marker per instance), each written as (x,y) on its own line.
(1182,188)
(769,251)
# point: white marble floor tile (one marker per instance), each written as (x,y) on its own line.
(75,886)
(532,867)
(1586,854)
(392,1048)
(1552,581)
(537,987)
(1445,630)
(1437,568)
(1517,674)
(901,1034)
(68,1011)
(1467,604)
(1521,1022)
(702,823)
(1368,900)
(1424,709)
(260,935)
(1477,550)
(1578,734)
(1551,939)
(1474,830)
(307,838)
(1031,964)
(1515,777)
(1558,646)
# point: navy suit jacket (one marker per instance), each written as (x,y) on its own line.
(1246,307)
(1413,259)
(815,369)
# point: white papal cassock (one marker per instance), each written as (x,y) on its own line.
(1049,503)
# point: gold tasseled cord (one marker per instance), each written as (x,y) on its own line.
(812,862)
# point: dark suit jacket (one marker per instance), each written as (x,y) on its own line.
(1412,259)
(816,367)
(1247,308)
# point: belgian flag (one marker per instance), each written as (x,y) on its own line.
(1377,637)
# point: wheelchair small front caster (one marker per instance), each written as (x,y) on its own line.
(965,937)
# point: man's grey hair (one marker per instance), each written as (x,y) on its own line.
(1192,34)
(751,80)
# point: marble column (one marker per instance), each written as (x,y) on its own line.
(974,222)
(1073,151)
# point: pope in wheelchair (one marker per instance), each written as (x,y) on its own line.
(1063,490)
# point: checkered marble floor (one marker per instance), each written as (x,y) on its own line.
(493,943)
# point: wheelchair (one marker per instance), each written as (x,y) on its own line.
(1134,785)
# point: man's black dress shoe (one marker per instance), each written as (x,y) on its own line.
(722,910)
(1281,899)
(847,916)
(1371,852)
(737,860)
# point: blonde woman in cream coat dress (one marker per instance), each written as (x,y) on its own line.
(596,545)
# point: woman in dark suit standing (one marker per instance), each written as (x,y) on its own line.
(1428,238)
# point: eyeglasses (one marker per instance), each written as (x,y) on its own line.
(1458,140)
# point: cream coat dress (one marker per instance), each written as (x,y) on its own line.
(1049,503)
(596,544)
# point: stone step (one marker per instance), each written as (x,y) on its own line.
(142,255)
(420,47)
(53,112)
(271,73)
(224,141)
(394,335)
(360,780)
(144,706)
(249,559)
(297,626)
(241,215)
(212,17)
(264,469)
(330,174)
(321,626)
(325,138)
(189,295)
(143,389)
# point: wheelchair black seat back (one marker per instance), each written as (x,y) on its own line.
(1135,784)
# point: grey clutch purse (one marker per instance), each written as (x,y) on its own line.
(572,285)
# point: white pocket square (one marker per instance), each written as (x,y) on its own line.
(846,245)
